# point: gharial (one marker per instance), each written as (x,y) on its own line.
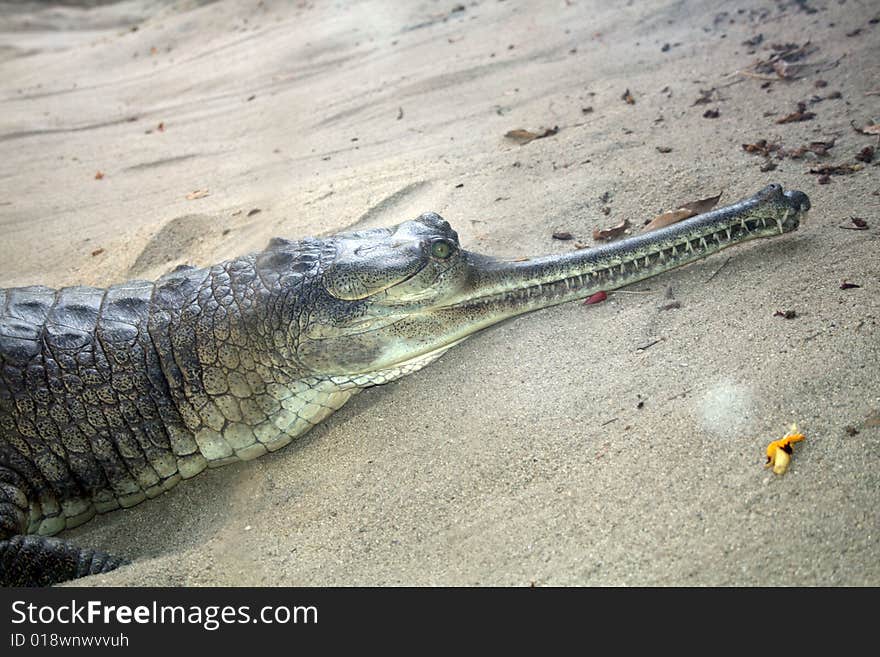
(110,396)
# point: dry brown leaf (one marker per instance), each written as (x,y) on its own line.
(686,211)
(785,70)
(801,114)
(870,129)
(197,193)
(99,175)
(611,233)
(837,169)
(818,147)
(866,154)
(761,147)
(523,137)
(627,97)
(667,219)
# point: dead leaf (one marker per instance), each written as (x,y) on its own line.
(686,211)
(98,251)
(664,149)
(598,297)
(837,169)
(785,314)
(197,193)
(781,64)
(801,114)
(161,126)
(611,233)
(761,147)
(846,285)
(870,129)
(711,114)
(866,154)
(627,97)
(523,137)
(99,175)
(667,219)
(785,70)
(563,235)
(254,211)
(820,148)
(857,224)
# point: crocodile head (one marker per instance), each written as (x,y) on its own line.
(393,299)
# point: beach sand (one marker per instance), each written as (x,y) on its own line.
(612,444)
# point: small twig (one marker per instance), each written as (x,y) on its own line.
(633,292)
(681,394)
(718,270)
(614,419)
(873,92)
(729,84)
(650,344)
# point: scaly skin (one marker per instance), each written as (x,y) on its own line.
(108,397)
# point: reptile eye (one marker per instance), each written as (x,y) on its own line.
(441,249)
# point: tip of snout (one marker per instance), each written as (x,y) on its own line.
(799,200)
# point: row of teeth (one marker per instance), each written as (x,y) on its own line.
(670,253)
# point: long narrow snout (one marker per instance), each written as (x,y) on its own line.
(504,289)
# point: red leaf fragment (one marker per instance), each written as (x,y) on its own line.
(598,297)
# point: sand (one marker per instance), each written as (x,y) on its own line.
(553,449)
